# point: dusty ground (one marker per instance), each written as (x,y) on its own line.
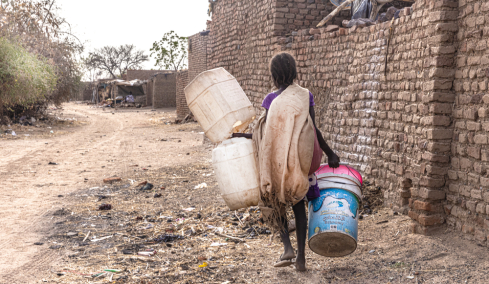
(56,206)
(100,144)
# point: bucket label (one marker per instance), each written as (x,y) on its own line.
(334,210)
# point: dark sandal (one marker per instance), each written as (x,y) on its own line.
(284,262)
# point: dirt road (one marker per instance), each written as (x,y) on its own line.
(108,144)
(137,144)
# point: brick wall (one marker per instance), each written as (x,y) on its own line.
(418,128)
(141,74)
(468,195)
(197,54)
(164,95)
(182,82)
(288,16)
(197,61)
(149,92)
(394,126)
(242,41)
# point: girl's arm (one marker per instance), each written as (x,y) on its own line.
(333,159)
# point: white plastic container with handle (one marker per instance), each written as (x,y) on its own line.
(236,172)
(219,104)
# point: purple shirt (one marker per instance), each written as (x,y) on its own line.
(267,102)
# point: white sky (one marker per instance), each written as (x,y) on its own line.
(142,22)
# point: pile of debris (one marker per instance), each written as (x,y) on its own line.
(372,198)
(171,227)
(187,119)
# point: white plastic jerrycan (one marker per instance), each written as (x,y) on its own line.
(219,104)
(236,172)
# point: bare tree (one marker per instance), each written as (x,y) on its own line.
(116,60)
(91,72)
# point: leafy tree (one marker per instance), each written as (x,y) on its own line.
(116,60)
(170,52)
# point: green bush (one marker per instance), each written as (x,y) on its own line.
(25,78)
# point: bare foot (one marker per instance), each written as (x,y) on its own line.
(287,255)
(300,263)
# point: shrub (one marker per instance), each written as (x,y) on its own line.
(25,78)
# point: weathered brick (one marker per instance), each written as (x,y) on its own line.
(439,134)
(474,152)
(480,139)
(432,182)
(437,120)
(484,181)
(431,194)
(430,220)
(435,158)
(481,208)
(413,215)
(471,205)
(452,175)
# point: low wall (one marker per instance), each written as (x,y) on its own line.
(141,74)
(165,90)
(149,92)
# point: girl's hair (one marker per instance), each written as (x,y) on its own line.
(283,70)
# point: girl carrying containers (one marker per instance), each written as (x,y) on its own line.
(289,147)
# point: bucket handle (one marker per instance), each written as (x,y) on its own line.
(341,164)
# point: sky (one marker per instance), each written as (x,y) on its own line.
(100,23)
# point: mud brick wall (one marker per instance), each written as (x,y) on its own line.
(141,74)
(181,101)
(197,54)
(468,196)
(165,90)
(394,125)
(242,41)
(149,92)
(292,15)
(415,124)
(197,62)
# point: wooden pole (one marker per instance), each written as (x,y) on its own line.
(344,4)
(334,13)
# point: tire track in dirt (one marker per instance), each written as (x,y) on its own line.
(25,218)
(107,146)
(41,262)
(21,160)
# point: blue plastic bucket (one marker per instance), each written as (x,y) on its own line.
(333,222)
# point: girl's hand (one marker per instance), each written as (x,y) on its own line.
(245,135)
(333,161)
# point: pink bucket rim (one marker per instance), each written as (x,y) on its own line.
(350,171)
